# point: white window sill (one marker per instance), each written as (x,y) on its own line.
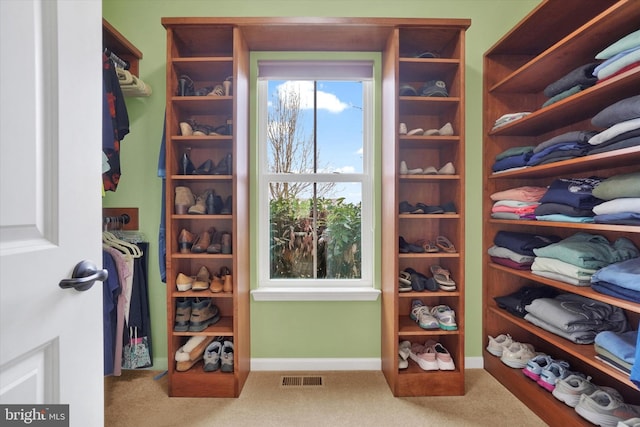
(316,294)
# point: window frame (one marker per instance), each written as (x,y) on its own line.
(363,289)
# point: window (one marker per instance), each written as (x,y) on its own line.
(315,157)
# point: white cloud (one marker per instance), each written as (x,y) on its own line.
(326,101)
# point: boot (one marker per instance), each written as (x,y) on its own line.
(186,166)
(215,247)
(200,206)
(202,279)
(183,314)
(184,200)
(185,241)
(211,202)
(226,243)
(204,313)
(202,242)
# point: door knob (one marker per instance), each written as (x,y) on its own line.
(83,276)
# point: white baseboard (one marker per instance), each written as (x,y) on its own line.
(337,364)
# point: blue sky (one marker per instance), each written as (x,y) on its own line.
(339,120)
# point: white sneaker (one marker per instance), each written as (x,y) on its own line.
(404,170)
(631,422)
(424,356)
(403,129)
(605,409)
(517,355)
(404,349)
(569,389)
(443,357)
(498,344)
(421,314)
(447,169)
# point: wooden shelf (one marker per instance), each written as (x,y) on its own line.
(555,38)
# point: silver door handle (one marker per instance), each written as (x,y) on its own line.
(83,276)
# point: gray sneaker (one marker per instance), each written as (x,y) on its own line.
(226,357)
(212,356)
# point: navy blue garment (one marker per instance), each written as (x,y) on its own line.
(510,162)
(523,243)
(564,150)
(515,303)
(576,192)
(616,291)
(162,173)
(139,314)
(110,292)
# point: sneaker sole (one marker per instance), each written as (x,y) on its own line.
(597,418)
(571,400)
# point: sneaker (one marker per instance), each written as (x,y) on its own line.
(632,422)
(536,365)
(226,357)
(404,349)
(443,357)
(552,373)
(446,317)
(404,282)
(498,344)
(212,356)
(403,129)
(569,389)
(605,409)
(421,315)
(424,356)
(517,355)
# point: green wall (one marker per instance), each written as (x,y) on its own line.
(298,329)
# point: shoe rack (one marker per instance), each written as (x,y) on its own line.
(444,40)
(555,38)
(213,60)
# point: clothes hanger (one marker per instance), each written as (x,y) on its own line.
(127,248)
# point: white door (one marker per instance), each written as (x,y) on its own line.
(50,206)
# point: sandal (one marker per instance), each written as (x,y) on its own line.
(428,245)
(443,278)
(445,244)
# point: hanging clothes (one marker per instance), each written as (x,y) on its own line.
(117,121)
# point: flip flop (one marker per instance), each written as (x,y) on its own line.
(443,278)
(445,244)
(428,245)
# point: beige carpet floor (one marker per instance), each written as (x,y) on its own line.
(359,398)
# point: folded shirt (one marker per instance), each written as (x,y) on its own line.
(580,76)
(511,162)
(561,209)
(500,252)
(622,344)
(622,218)
(572,136)
(578,337)
(514,151)
(565,218)
(561,151)
(618,186)
(558,266)
(627,42)
(576,192)
(523,194)
(615,130)
(616,63)
(620,111)
(562,278)
(616,291)
(625,274)
(625,204)
(523,243)
(589,250)
(508,118)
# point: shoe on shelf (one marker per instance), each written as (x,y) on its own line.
(408,208)
(226,357)
(632,422)
(449,208)
(446,317)
(204,313)
(217,284)
(186,129)
(445,244)
(184,200)
(443,357)
(430,170)
(202,242)
(557,369)
(226,243)
(191,352)
(517,355)
(226,206)
(404,169)
(185,241)
(569,389)
(420,314)
(404,282)
(404,349)
(212,356)
(406,247)
(418,280)
(606,409)
(184,282)
(447,169)
(429,210)
(202,279)
(200,206)
(536,365)
(183,314)
(497,345)
(443,277)
(215,247)
(403,129)
(424,356)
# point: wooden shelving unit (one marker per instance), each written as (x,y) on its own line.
(551,41)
